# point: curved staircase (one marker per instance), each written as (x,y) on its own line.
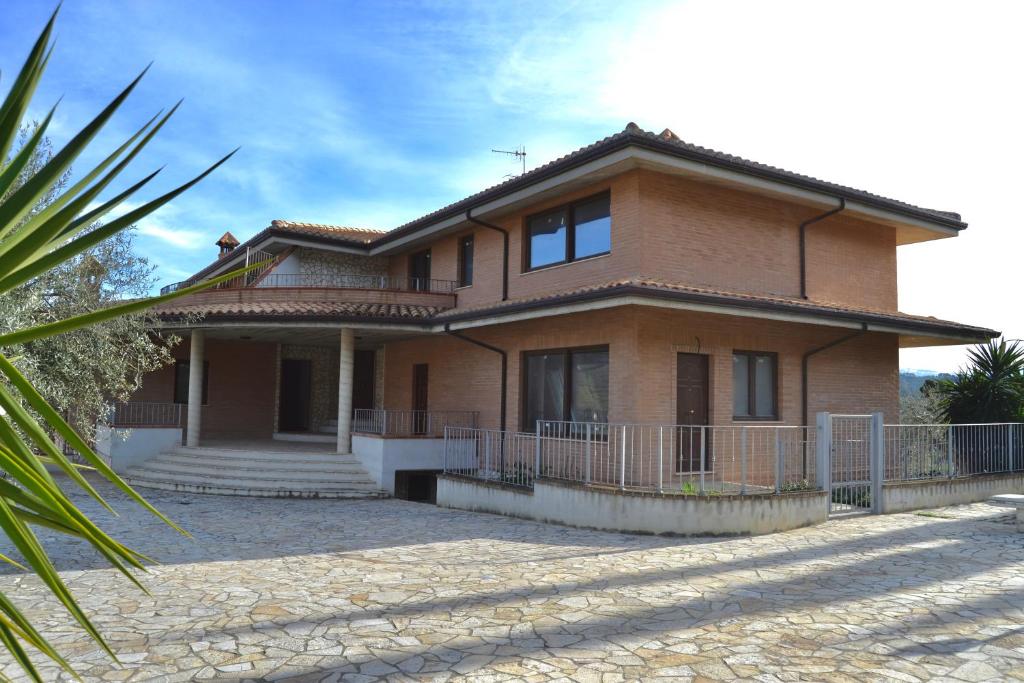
(262,473)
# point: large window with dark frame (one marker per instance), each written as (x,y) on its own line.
(465,261)
(181,369)
(754,385)
(565,384)
(573,232)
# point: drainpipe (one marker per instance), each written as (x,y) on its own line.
(803,243)
(804,380)
(504,365)
(504,265)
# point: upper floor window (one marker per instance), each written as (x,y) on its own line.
(419,271)
(754,385)
(570,233)
(465,261)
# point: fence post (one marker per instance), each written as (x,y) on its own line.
(536,453)
(743,461)
(622,466)
(445,462)
(949,452)
(877,464)
(823,445)
(703,456)
(487,456)
(384,422)
(779,464)
(1009,438)
(588,456)
(661,459)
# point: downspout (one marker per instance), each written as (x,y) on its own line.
(504,366)
(803,243)
(504,265)
(804,379)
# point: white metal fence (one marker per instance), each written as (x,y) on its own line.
(422,423)
(664,458)
(713,460)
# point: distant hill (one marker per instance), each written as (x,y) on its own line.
(911,381)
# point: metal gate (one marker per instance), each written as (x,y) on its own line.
(849,462)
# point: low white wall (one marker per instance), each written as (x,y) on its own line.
(914,495)
(613,510)
(383,457)
(124,448)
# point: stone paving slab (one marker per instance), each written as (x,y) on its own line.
(335,590)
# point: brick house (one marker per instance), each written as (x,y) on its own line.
(639,279)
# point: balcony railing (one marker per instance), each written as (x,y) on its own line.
(146,414)
(383,282)
(410,423)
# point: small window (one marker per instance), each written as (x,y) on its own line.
(181,381)
(466,261)
(754,382)
(565,384)
(570,233)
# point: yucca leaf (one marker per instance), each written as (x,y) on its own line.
(86,319)
(10,173)
(91,239)
(22,89)
(28,195)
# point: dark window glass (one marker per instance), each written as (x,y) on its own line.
(593,225)
(548,238)
(466,261)
(565,385)
(181,381)
(753,385)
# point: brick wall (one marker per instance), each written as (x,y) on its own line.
(242,392)
(684,230)
(860,376)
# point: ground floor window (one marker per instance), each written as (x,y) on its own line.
(565,384)
(754,383)
(181,381)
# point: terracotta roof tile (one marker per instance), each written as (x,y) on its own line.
(297,309)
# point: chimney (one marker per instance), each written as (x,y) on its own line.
(227,244)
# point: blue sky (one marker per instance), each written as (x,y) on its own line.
(374,113)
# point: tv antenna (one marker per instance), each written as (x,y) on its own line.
(517,153)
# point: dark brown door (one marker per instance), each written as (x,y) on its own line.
(293,410)
(419,271)
(691,408)
(419,398)
(363,380)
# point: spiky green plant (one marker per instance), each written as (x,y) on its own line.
(989,389)
(33,239)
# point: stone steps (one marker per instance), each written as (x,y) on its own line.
(245,472)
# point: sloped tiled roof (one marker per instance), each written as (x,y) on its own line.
(305,310)
(642,286)
(338,232)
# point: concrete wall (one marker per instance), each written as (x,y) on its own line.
(611,510)
(383,457)
(124,448)
(914,495)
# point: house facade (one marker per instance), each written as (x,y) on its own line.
(637,280)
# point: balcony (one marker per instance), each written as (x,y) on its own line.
(304,288)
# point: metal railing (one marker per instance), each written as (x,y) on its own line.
(246,280)
(943,451)
(699,460)
(331,281)
(146,414)
(411,423)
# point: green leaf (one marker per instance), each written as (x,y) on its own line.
(20,94)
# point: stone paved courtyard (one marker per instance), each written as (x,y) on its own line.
(306,590)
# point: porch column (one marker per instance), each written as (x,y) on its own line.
(195,388)
(346,363)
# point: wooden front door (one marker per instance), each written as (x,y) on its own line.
(691,408)
(419,271)
(419,398)
(294,399)
(363,378)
